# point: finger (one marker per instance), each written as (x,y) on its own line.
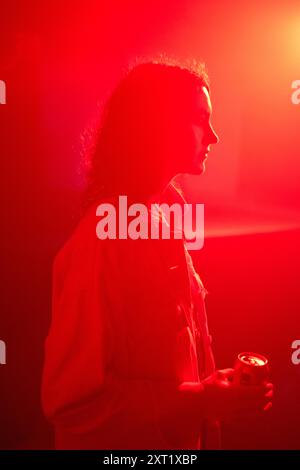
(268,406)
(254,416)
(225,374)
(248,413)
(269,386)
(251,392)
(259,401)
(269,394)
(253,403)
(256,404)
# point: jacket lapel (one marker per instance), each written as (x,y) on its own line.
(171,253)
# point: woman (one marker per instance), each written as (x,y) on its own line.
(128,361)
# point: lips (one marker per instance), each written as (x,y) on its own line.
(204,155)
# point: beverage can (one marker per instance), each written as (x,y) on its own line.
(251,369)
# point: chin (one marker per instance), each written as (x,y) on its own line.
(197,169)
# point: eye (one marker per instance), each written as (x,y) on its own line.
(197,130)
(202,120)
(202,123)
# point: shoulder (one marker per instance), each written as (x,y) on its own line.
(83,245)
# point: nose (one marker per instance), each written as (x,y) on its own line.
(213,136)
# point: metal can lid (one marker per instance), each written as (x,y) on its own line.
(253,359)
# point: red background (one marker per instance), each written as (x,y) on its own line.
(59,62)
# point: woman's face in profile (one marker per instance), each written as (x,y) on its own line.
(200,134)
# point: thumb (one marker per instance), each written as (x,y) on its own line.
(225,374)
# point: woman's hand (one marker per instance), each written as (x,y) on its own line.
(226,400)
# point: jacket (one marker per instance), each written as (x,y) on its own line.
(128,327)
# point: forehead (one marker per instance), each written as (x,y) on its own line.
(202,102)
